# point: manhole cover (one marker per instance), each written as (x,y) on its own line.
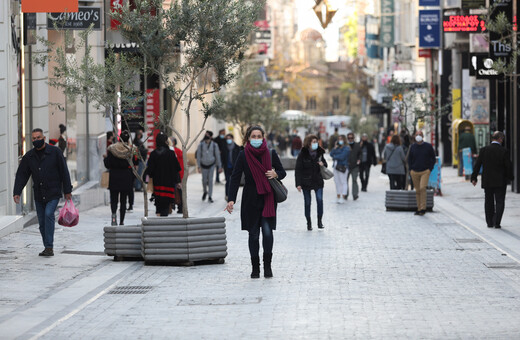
(468,240)
(83,252)
(219,301)
(130,290)
(508,265)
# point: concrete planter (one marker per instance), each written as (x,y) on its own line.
(405,200)
(180,240)
(123,242)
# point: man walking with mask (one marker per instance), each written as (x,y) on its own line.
(50,175)
(421,160)
(368,158)
(354,160)
(208,157)
(496,172)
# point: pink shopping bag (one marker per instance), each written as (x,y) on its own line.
(69,215)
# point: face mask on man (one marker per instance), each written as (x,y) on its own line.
(256,143)
(222,136)
(314,146)
(38,143)
(419,138)
(229,141)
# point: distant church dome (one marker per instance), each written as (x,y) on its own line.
(310,34)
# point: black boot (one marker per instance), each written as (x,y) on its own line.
(114,220)
(309,223)
(255,262)
(122,217)
(267,265)
(320,224)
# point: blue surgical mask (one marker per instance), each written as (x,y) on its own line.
(256,143)
(229,141)
(222,136)
(314,146)
(340,142)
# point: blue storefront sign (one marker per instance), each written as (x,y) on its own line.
(372,37)
(432,3)
(430,28)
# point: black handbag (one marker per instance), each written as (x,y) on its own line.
(341,168)
(279,190)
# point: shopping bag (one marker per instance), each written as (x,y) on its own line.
(69,215)
(104,179)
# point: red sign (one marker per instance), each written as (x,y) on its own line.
(425,53)
(49,6)
(463,23)
(152,116)
(115,6)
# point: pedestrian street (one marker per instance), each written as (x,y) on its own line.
(370,274)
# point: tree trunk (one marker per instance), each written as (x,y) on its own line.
(185,183)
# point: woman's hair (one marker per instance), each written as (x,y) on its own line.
(396,140)
(161,140)
(125,136)
(250,130)
(308,140)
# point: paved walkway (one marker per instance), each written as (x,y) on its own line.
(369,274)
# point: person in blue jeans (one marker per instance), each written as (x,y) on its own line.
(50,175)
(308,176)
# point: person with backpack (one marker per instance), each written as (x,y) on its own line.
(208,157)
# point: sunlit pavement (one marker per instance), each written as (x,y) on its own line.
(369,274)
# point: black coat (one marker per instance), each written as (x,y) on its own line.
(307,171)
(164,168)
(234,154)
(496,166)
(49,173)
(371,152)
(252,202)
(355,156)
(121,177)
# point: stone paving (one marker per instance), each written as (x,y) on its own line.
(370,274)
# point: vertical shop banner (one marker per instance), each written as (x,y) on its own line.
(47,6)
(446,119)
(499,47)
(115,5)
(429,28)
(152,116)
(372,37)
(387,23)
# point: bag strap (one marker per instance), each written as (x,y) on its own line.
(391,153)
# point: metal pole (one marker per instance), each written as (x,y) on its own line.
(87,120)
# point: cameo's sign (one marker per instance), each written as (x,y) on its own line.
(80,20)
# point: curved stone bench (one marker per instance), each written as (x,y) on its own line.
(123,242)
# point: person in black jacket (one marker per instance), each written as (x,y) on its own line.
(229,157)
(164,169)
(496,172)
(354,160)
(258,210)
(421,160)
(221,142)
(308,176)
(121,177)
(368,158)
(50,175)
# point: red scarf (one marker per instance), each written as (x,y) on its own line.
(258,170)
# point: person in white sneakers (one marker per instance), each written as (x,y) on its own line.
(340,155)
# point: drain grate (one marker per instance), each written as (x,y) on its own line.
(220,301)
(131,290)
(508,265)
(468,240)
(83,252)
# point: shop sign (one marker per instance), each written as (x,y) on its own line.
(475,4)
(499,47)
(425,53)
(387,23)
(49,6)
(80,20)
(430,28)
(463,23)
(430,3)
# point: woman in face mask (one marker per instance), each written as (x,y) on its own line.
(308,176)
(258,209)
(340,155)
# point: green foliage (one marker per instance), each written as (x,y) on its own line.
(249,102)
(363,124)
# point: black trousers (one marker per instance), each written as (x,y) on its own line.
(494,205)
(364,173)
(116,196)
(397,182)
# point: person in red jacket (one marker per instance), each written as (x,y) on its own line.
(178,153)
